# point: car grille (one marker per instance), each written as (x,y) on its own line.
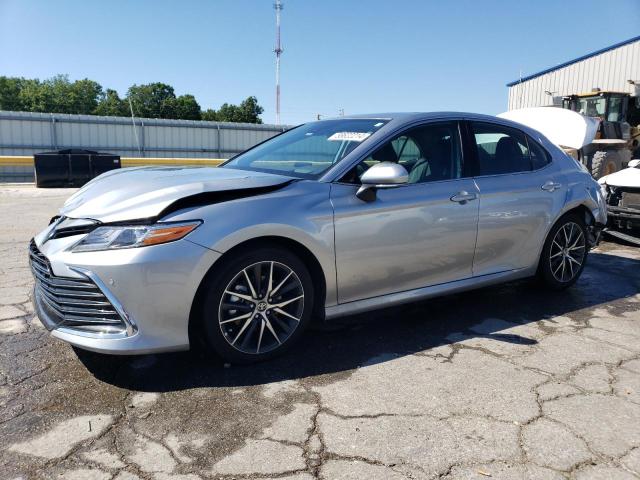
(75,303)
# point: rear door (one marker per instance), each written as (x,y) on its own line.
(521,193)
(418,234)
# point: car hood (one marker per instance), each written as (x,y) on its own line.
(628,177)
(147,192)
(563,127)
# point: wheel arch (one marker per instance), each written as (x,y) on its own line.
(581,210)
(300,250)
(544,271)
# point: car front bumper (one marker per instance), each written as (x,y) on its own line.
(624,218)
(151,290)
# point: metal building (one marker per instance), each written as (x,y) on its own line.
(615,68)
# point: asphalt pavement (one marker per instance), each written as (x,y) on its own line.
(508,382)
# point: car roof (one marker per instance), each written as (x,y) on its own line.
(417,116)
(398,119)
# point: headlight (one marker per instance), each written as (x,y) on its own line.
(116,237)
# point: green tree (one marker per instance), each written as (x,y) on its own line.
(83,96)
(55,95)
(10,88)
(250,110)
(153,100)
(210,115)
(247,112)
(34,97)
(111,105)
(186,108)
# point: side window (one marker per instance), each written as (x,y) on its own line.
(429,153)
(614,113)
(500,149)
(592,106)
(539,156)
(407,150)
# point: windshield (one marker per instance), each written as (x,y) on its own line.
(308,150)
(592,106)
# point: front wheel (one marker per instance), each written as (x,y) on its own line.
(564,253)
(257,305)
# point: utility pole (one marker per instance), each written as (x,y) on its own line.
(278,52)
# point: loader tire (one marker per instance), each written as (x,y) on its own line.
(605,163)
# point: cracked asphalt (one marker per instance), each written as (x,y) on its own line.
(508,382)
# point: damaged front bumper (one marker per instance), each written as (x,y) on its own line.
(123,301)
(624,224)
(624,218)
(623,213)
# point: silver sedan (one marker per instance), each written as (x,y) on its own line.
(327,219)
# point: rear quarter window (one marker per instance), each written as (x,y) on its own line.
(538,155)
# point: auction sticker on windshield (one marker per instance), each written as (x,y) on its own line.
(348,136)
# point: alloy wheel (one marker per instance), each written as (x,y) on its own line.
(568,250)
(261,307)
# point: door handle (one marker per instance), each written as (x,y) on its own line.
(463,197)
(550,186)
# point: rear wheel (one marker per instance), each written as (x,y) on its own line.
(257,305)
(564,253)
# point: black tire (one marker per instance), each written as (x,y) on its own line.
(605,163)
(235,340)
(557,276)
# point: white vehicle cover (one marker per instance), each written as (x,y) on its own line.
(563,127)
(627,177)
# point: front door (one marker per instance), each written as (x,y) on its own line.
(415,235)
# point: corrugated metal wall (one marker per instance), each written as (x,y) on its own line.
(609,70)
(26,133)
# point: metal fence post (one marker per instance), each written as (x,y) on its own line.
(219,142)
(142,137)
(54,138)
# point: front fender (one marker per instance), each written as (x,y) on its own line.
(300,212)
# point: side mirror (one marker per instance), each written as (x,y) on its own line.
(381,175)
(635,163)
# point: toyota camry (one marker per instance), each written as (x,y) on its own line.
(330,218)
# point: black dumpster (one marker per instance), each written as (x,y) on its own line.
(71,168)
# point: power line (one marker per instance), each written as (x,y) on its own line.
(133,124)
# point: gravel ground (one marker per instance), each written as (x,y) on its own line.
(505,382)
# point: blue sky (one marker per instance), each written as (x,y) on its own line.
(360,56)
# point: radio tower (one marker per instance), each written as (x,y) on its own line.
(278,51)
